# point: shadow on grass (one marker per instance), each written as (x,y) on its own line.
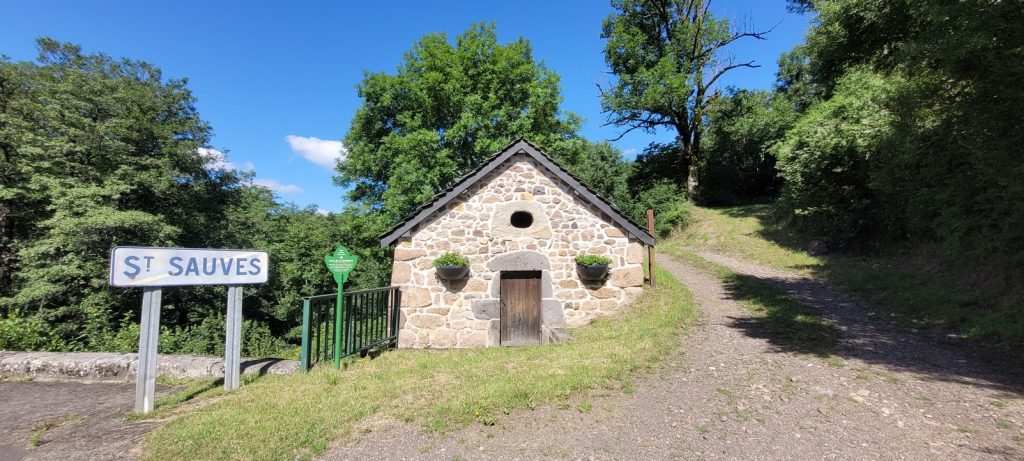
(780,319)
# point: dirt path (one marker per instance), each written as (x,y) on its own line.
(734,393)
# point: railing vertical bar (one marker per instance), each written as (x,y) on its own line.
(304,348)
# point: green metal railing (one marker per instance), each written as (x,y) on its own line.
(369,320)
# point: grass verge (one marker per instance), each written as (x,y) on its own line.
(910,282)
(188,390)
(300,415)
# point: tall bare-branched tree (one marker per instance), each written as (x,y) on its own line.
(667,56)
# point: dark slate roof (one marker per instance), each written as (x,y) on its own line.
(521,146)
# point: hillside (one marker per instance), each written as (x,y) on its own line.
(911,284)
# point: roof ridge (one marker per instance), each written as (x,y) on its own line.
(460,185)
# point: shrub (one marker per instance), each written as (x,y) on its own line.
(830,157)
(592,260)
(24,333)
(451,259)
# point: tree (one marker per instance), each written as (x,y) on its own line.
(97,152)
(667,56)
(446,110)
(743,128)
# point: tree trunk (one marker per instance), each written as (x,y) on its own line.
(692,175)
(692,182)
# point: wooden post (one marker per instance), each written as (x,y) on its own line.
(650,248)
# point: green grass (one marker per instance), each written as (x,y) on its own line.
(914,283)
(741,232)
(189,390)
(300,415)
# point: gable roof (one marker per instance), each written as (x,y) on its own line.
(518,147)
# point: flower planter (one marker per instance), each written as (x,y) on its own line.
(592,273)
(452,272)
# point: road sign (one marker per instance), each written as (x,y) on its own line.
(152,268)
(162,267)
(340,264)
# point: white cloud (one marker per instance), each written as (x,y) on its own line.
(321,211)
(217,160)
(629,152)
(277,186)
(323,152)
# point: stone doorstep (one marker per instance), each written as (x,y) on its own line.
(118,367)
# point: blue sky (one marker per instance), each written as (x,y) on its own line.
(277,80)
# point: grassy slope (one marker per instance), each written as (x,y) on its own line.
(905,282)
(295,416)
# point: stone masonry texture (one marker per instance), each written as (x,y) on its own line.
(465,313)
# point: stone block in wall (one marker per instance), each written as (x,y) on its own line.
(472,339)
(519,261)
(486,309)
(551,313)
(400,273)
(628,276)
(406,339)
(613,232)
(494,333)
(545,284)
(634,253)
(475,285)
(415,297)
(425,321)
(406,254)
(442,338)
(604,293)
(633,293)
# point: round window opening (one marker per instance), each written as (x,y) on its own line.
(521,219)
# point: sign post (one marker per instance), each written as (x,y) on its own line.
(145,373)
(340,264)
(153,268)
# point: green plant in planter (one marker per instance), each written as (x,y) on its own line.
(592,260)
(451,259)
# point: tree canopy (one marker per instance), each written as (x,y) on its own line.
(447,109)
(667,57)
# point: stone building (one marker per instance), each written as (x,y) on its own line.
(521,220)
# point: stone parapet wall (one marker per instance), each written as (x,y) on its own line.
(464,313)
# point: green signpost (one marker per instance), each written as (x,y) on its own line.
(340,264)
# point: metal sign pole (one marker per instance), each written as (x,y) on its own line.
(340,264)
(145,373)
(233,339)
(338,319)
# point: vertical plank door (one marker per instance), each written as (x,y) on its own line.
(520,308)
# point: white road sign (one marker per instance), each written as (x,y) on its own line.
(162,267)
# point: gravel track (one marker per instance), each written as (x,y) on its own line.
(731,392)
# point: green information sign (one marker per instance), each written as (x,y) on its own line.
(340,264)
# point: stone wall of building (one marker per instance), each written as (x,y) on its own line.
(464,313)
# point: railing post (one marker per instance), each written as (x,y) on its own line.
(307,327)
(396,313)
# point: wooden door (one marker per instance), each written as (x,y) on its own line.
(520,308)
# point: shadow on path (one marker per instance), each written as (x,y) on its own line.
(847,330)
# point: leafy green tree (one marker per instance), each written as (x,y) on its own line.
(829,159)
(95,153)
(667,56)
(743,128)
(949,167)
(448,108)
